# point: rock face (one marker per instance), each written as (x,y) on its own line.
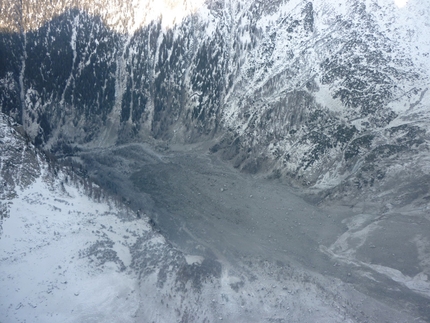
(333,97)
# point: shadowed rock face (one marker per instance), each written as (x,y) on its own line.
(325,96)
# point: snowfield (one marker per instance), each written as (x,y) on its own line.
(65,257)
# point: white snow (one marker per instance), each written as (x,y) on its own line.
(191,260)
(45,274)
(400,3)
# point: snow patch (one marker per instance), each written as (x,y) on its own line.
(194,260)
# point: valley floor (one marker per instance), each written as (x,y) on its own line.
(200,242)
(206,208)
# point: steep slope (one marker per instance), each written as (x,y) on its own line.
(324,94)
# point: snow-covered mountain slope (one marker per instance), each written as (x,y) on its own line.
(64,259)
(332,96)
(69,253)
(64,256)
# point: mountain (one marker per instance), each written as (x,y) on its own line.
(328,101)
(322,94)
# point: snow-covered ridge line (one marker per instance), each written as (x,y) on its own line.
(48,229)
(22,165)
